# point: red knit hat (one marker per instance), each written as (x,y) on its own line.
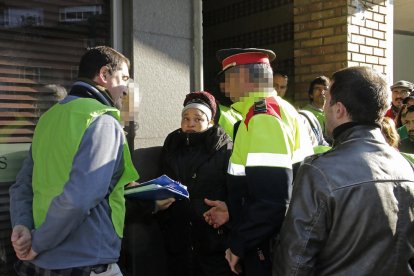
(204,98)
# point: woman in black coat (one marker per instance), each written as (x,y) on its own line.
(196,155)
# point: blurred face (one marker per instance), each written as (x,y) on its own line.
(117,84)
(408,121)
(398,95)
(318,95)
(410,102)
(236,83)
(280,84)
(194,120)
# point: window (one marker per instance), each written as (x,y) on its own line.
(79,13)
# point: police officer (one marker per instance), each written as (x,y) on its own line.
(260,168)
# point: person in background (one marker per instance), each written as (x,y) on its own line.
(197,155)
(313,128)
(307,118)
(67,206)
(350,212)
(280,83)
(316,93)
(400,90)
(390,132)
(405,127)
(409,100)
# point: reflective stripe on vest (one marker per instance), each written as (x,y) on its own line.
(267,160)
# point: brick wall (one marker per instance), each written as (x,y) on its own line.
(367,34)
(333,34)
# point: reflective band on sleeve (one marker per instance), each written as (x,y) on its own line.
(268,160)
(236,169)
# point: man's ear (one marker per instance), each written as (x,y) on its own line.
(102,76)
(340,112)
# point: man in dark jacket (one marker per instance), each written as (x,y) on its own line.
(351,207)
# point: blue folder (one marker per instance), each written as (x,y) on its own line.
(159,188)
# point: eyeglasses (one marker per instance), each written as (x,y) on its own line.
(403,93)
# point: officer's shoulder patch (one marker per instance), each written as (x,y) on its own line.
(260,106)
(267,106)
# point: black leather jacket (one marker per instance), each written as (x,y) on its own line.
(352,211)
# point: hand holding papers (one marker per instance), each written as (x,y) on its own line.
(159,188)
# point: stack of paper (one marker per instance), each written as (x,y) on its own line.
(159,188)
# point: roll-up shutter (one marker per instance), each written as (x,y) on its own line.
(41,42)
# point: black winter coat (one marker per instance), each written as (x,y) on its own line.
(199,161)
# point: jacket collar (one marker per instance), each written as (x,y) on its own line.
(213,139)
(86,88)
(352,130)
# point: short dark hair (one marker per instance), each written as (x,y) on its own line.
(319,80)
(93,60)
(363,91)
(280,73)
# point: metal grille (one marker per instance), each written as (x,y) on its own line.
(257,38)
(240,9)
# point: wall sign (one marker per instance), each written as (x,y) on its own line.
(11,160)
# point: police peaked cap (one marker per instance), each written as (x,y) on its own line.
(237,56)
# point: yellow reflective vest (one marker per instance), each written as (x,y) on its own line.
(54,147)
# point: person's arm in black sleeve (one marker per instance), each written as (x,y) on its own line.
(262,214)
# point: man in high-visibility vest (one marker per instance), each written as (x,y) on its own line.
(67,206)
(266,145)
